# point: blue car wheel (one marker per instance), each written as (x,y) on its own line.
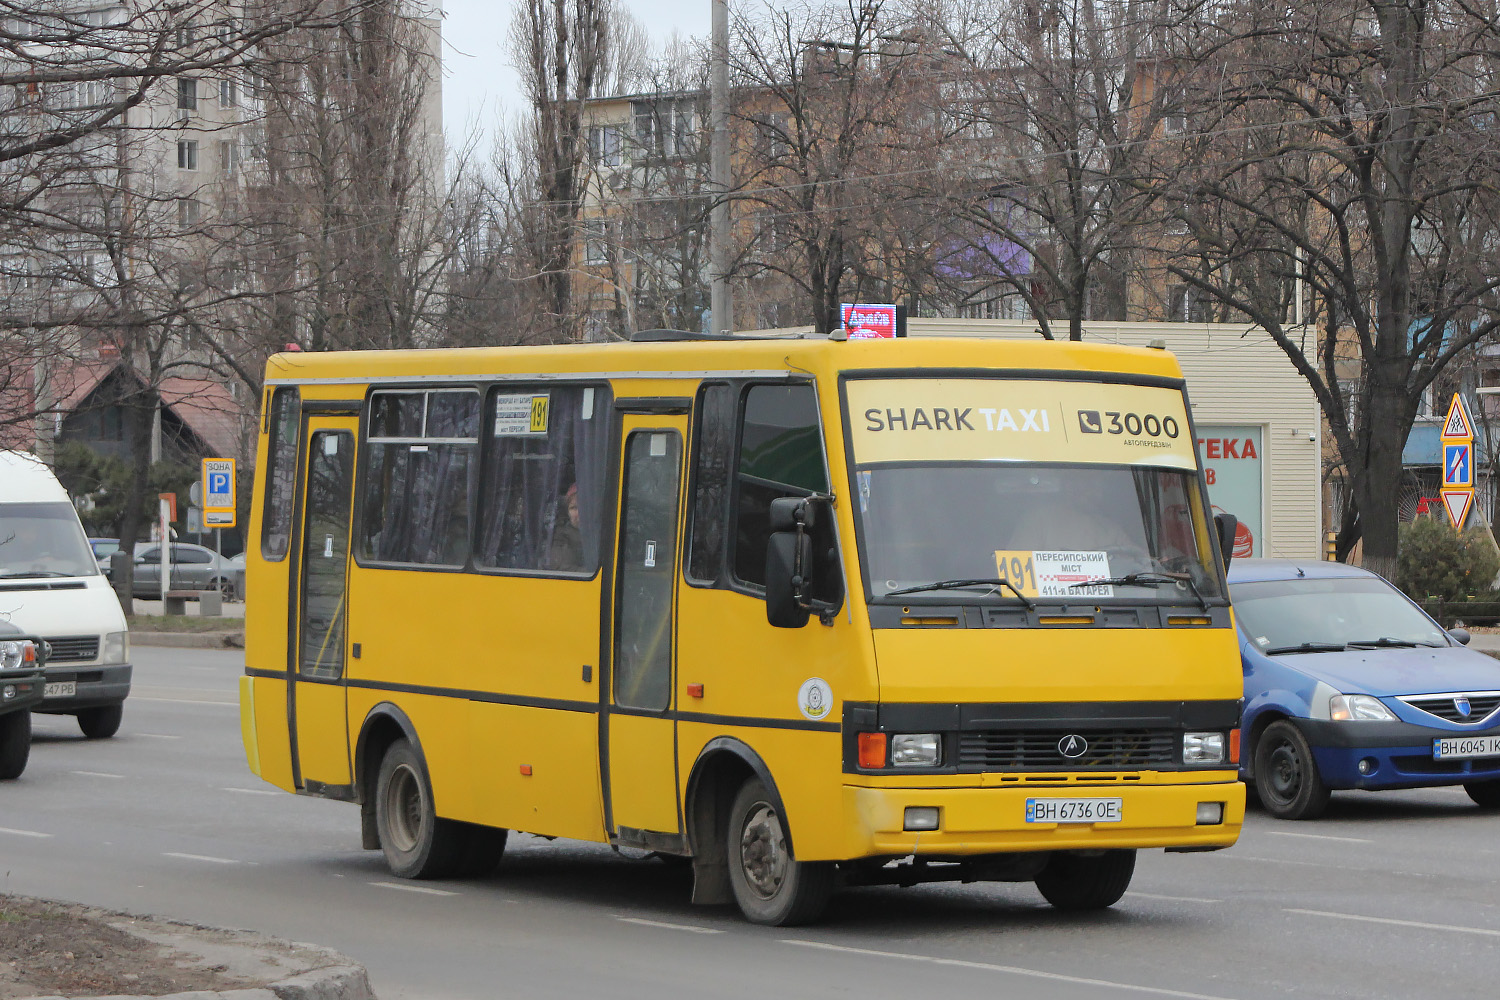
(1485,794)
(1286,776)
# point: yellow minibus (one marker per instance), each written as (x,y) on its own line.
(810,612)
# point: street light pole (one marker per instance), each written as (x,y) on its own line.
(721,303)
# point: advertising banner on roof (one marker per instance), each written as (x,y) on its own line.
(869,322)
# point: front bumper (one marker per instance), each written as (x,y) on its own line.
(95,687)
(990,820)
(20,691)
(1400,751)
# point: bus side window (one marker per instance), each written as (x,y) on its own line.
(713,454)
(281,473)
(781,455)
(542,497)
(419,461)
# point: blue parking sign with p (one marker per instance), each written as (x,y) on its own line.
(218,492)
(1458,465)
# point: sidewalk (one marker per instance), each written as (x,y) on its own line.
(54,948)
(1486,642)
(197,632)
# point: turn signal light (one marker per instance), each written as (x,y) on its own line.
(872,749)
(1234,746)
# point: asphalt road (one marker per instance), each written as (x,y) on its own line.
(1391,895)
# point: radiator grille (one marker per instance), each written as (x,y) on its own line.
(1482,705)
(1039,749)
(74,648)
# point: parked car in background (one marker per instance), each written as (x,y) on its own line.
(1349,684)
(237,571)
(194,567)
(103,549)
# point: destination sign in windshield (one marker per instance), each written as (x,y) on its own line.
(1011,420)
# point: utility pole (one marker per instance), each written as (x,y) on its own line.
(721,303)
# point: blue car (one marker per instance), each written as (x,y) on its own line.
(1348,684)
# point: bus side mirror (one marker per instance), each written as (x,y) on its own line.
(791,566)
(785,552)
(1227,525)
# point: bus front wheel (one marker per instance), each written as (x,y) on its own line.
(416,843)
(770,885)
(1086,881)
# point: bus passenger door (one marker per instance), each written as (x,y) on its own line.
(640,744)
(316,702)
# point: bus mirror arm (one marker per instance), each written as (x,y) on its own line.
(1227,525)
(791,565)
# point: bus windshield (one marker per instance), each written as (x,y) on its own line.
(1048,529)
(1065,489)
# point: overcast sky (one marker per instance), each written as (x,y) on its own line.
(479,85)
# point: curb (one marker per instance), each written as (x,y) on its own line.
(190,640)
(333,976)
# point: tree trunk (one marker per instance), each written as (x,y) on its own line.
(139,413)
(1378,484)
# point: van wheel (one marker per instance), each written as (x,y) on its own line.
(15,743)
(101,723)
(1286,776)
(416,843)
(1086,882)
(770,885)
(1486,794)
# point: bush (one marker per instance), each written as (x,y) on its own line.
(1437,562)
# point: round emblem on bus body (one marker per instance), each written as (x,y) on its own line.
(815,699)
(1072,746)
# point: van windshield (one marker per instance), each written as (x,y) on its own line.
(43,540)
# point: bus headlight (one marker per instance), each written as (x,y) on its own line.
(916,750)
(1203,748)
(116,647)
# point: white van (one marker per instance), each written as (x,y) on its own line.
(50,586)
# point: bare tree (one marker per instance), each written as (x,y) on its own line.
(823,105)
(1053,114)
(1344,158)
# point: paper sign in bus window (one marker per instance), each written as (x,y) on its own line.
(1053,573)
(521,415)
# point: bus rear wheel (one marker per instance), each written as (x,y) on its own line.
(770,885)
(15,743)
(1086,882)
(416,843)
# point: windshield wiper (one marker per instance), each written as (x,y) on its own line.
(961,584)
(31,574)
(1307,647)
(1146,580)
(1386,642)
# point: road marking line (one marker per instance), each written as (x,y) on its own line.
(97,774)
(253,791)
(202,857)
(1008,969)
(1449,928)
(414,888)
(158,736)
(23,833)
(1172,899)
(691,928)
(185,701)
(1320,836)
(1230,856)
